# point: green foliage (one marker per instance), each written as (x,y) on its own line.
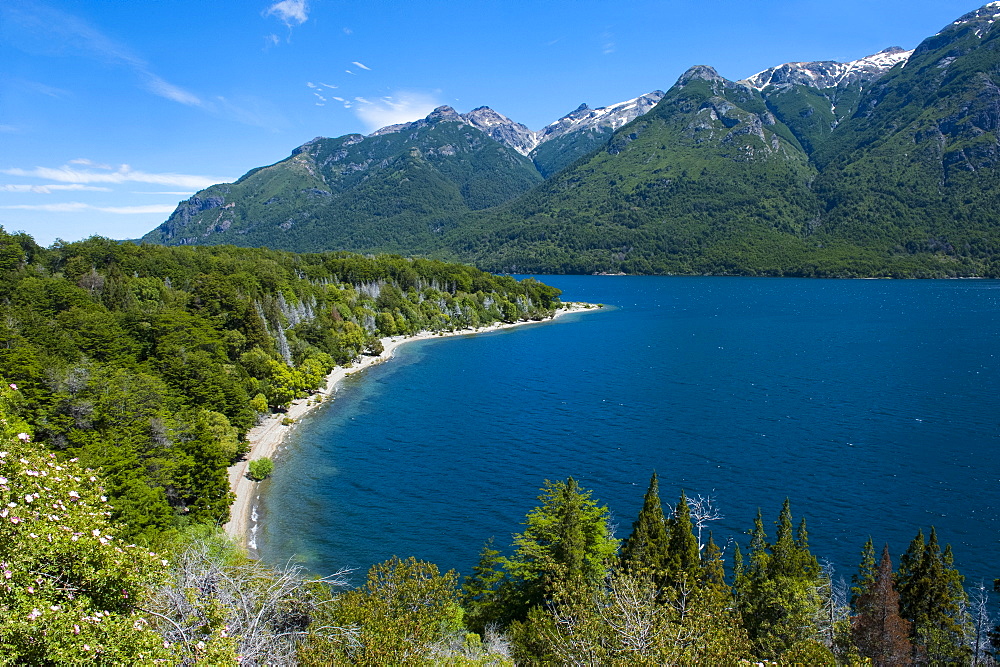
(932,599)
(405,608)
(72,591)
(646,550)
(260,469)
(152,363)
(777,591)
(566,540)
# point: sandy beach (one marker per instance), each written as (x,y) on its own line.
(266,437)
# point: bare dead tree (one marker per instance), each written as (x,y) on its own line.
(266,612)
(979,639)
(703,510)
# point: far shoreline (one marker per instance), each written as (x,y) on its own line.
(267,436)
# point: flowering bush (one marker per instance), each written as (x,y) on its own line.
(70,591)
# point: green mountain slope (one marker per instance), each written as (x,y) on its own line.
(391,192)
(914,171)
(676,190)
(884,166)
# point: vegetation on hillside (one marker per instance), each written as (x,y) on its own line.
(151,363)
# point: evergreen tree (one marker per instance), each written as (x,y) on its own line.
(566,540)
(879,632)
(933,601)
(480,589)
(865,576)
(714,571)
(683,559)
(645,551)
(777,592)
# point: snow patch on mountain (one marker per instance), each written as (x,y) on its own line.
(524,140)
(829,73)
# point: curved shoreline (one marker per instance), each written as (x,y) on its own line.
(267,436)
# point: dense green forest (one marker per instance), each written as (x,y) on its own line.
(151,363)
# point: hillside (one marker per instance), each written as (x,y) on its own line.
(883,166)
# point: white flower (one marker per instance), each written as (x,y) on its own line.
(23,437)
(34,614)
(13,386)
(74,495)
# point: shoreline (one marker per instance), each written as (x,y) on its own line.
(266,437)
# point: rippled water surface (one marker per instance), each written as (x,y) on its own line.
(872,405)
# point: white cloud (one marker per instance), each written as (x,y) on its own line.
(364,101)
(608,43)
(158,86)
(289,12)
(75,206)
(328,85)
(355,62)
(350,72)
(90,163)
(401,108)
(50,188)
(123,174)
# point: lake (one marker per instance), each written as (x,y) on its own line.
(872,405)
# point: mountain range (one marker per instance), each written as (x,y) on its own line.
(884,166)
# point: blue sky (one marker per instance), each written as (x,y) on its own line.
(111,112)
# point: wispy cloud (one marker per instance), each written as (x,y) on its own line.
(357,64)
(54,32)
(75,206)
(607,43)
(401,108)
(124,174)
(52,187)
(289,12)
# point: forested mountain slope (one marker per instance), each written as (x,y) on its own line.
(883,166)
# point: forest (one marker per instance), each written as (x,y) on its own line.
(129,377)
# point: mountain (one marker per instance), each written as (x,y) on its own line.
(883,166)
(393,191)
(584,130)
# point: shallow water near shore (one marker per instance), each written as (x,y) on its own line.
(872,405)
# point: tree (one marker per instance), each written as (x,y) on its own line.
(777,591)
(932,599)
(865,576)
(683,559)
(566,538)
(878,631)
(481,589)
(404,609)
(646,549)
(260,469)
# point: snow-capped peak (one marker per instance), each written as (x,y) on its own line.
(610,117)
(828,73)
(985,16)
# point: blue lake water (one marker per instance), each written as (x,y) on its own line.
(872,405)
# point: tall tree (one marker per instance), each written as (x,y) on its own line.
(645,550)
(865,575)
(683,559)
(879,632)
(932,599)
(566,539)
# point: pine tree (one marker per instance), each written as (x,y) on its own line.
(865,576)
(932,599)
(683,559)
(646,549)
(481,590)
(566,541)
(879,632)
(714,571)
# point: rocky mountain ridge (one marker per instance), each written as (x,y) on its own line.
(886,165)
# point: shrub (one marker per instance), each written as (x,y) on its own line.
(259,469)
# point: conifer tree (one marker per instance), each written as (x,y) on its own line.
(683,559)
(932,599)
(646,549)
(481,589)
(865,575)
(566,542)
(879,632)
(714,572)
